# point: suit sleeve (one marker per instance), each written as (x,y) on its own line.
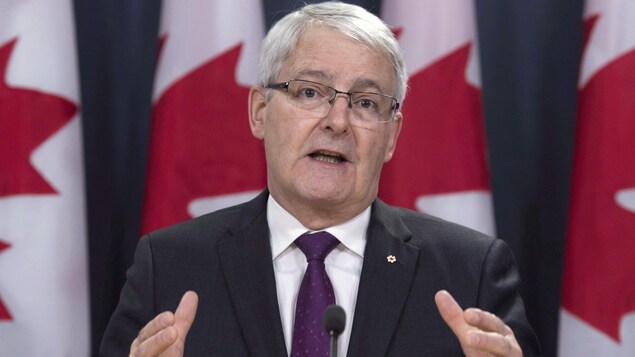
(498,294)
(136,304)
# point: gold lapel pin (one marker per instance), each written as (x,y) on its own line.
(391,259)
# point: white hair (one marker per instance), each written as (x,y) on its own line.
(351,20)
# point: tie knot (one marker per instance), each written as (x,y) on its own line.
(316,246)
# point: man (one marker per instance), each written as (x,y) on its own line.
(327,109)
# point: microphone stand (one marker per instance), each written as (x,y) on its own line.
(332,344)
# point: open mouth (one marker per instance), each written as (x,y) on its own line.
(328,156)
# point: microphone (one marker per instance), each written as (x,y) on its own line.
(334,322)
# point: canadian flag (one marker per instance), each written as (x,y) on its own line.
(202,155)
(44,304)
(598,300)
(439,166)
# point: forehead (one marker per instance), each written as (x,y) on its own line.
(330,56)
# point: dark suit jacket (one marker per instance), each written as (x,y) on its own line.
(225,257)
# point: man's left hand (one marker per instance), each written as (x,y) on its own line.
(480,333)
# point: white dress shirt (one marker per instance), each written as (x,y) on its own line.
(343,265)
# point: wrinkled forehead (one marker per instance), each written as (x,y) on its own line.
(328,55)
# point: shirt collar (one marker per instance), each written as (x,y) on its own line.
(285,229)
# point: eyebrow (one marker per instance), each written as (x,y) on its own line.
(367,83)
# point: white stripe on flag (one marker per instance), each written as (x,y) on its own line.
(43,272)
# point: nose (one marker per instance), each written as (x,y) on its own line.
(338,117)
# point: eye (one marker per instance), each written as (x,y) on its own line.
(308,92)
(365,102)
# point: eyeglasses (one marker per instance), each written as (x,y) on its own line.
(319,98)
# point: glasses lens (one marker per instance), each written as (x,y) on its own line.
(310,96)
(372,107)
(317,98)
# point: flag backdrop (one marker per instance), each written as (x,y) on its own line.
(43,270)
(202,155)
(529,52)
(439,166)
(598,300)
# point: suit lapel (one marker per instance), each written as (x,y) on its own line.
(247,265)
(384,286)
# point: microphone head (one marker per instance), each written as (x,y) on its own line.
(334,320)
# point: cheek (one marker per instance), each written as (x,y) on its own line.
(377,154)
(281,143)
(388,148)
(370,163)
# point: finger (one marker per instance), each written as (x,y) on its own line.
(155,344)
(492,342)
(157,324)
(185,313)
(451,312)
(486,321)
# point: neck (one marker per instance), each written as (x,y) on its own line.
(316,216)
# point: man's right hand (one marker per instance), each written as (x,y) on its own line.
(165,334)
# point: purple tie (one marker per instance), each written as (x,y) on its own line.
(316,294)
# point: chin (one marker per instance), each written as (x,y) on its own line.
(325,194)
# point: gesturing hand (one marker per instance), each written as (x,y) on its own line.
(480,333)
(165,334)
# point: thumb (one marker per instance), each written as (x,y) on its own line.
(185,313)
(451,312)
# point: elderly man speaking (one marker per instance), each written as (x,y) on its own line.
(255,279)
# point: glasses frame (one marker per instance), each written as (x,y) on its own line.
(331,101)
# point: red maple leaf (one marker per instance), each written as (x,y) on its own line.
(599,266)
(4,312)
(27,118)
(201,143)
(441,147)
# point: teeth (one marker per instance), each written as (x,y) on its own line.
(326,156)
(331,159)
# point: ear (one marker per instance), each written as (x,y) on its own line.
(394,130)
(257,111)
